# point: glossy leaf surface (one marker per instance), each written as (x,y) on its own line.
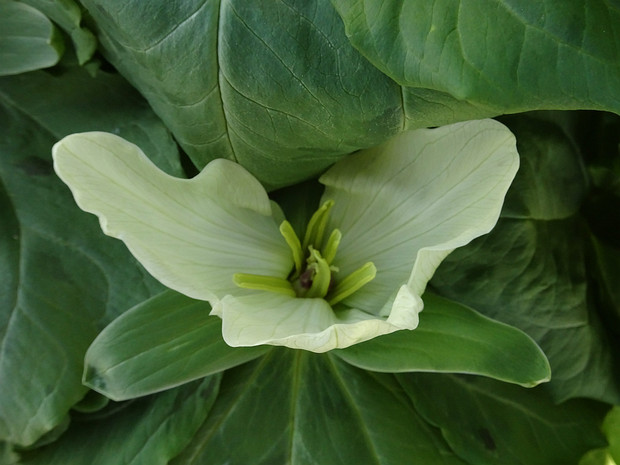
(489,422)
(490,53)
(296,407)
(60,279)
(147,431)
(28,39)
(454,338)
(162,342)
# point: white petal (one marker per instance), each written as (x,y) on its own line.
(191,234)
(406,204)
(405,308)
(309,324)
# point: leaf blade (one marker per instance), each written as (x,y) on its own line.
(28,39)
(63,278)
(151,430)
(485,421)
(454,338)
(532,275)
(266,79)
(494,59)
(297,407)
(161,343)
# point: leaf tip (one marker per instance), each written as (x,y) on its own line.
(543,377)
(93,379)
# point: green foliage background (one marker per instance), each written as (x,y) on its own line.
(286,88)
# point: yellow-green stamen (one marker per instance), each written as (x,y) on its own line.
(316,226)
(352,283)
(294,244)
(313,275)
(331,247)
(264,283)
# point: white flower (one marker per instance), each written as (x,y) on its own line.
(388,217)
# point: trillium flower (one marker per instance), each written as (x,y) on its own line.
(389,215)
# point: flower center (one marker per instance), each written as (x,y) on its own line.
(314,275)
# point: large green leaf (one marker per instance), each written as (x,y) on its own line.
(71,100)
(294,407)
(552,182)
(531,274)
(163,342)
(486,422)
(61,279)
(425,108)
(454,338)
(148,431)
(511,55)
(274,85)
(28,39)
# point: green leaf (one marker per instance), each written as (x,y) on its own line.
(68,15)
(511,55)
(297,408)
(275,86)
(72,100)
(160,343)
(91,402)
(426,108)
(148,431)
(53,434)
(531,274)
(28,39)
(611,428)
(485,421)
(454,338)
(551,183)
(61,280)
